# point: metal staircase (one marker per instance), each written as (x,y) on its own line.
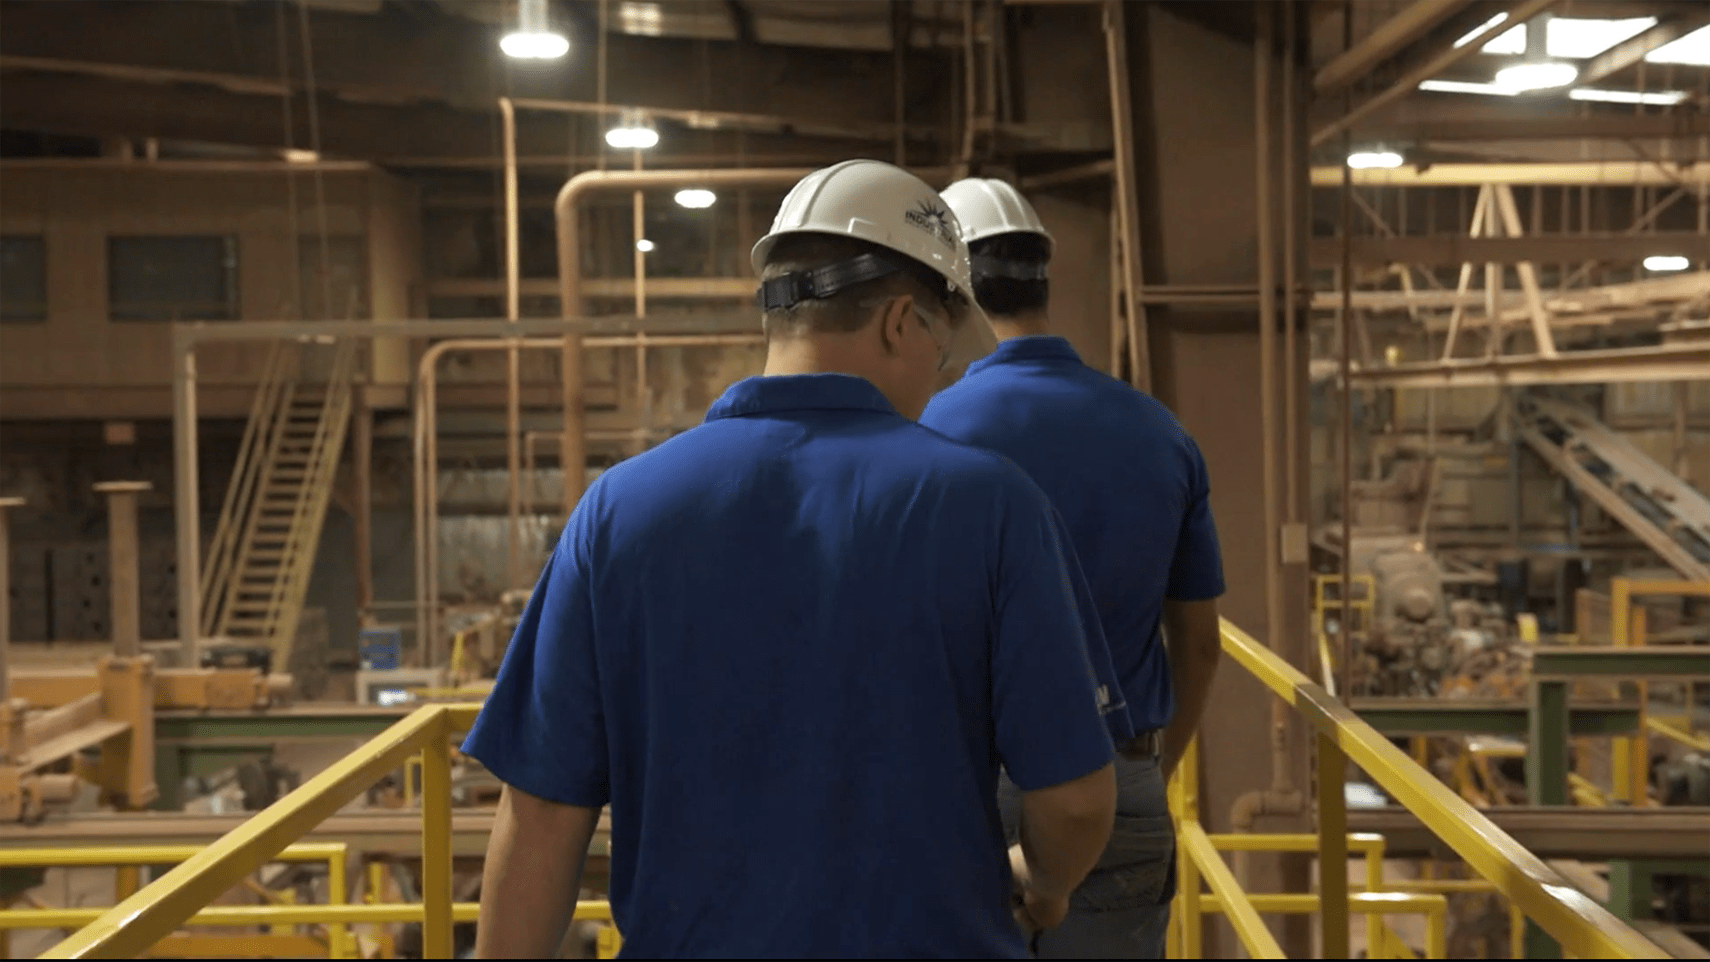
(270,526)
(1666,513)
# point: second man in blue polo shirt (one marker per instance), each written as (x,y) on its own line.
(1131,485)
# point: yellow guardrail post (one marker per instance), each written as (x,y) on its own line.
(436,842)
(1333,847)
(1186,781)
(338,893)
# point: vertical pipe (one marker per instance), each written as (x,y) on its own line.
(643,394)
(1291,440)
(513,464)
(900,30)
(185,503)
(513,364)
(1265,24)
(436,841)
(1127,196)
(6,606)
(1682,465)
(1332,847)
(1639,766)
(1345,364)
(364,451)
(122,572)
(1620,753)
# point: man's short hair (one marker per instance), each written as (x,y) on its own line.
(842,312)
(1007,296)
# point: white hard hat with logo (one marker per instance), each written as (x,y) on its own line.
(872,201)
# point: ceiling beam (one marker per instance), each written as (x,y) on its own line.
(1538,248)
(98,107)
(1445,117)
(1611,173)
(1669,28)
(1414,21)
(1432,65)
(409,55)
(1568,367)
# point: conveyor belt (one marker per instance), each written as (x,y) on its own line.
(1664,512)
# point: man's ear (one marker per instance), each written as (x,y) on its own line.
(894,315)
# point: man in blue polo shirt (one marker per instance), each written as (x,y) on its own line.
(792,647)
(1131,487)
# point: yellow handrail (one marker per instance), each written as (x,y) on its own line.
(1581,925)
(132,926)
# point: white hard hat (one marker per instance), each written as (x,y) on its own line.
(872,201)
(987,208)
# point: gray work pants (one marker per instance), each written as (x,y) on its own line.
(1122,910)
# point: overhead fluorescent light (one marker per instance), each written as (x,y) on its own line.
(1657,98)
(1493,21)
(695,198)
(641,19)
(633,132)
(1536,75)
(1374,160)
(534,46)
(1666,262)
(1465,87)
(1581,39)
(644,245)
(1575,38)
(1692,50)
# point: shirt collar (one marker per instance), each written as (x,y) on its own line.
(1034,347)
(799,392)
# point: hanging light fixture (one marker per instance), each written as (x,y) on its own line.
(633,132)
(695,198)
(1537,71)
(1379,159)
(534,38)
(1666,262)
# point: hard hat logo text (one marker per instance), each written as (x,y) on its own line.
(928,216)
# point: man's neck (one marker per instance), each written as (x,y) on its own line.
(1021,325)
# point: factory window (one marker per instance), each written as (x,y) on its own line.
(23,280)
(343,294)
(172,278)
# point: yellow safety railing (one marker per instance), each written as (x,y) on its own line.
(1584,928)
(333,854)
(1630,761)
(181,896)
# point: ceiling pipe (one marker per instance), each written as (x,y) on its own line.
(566,212)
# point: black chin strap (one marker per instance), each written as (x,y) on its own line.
(788,290)
(986,265)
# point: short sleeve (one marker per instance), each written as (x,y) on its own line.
(542,728)
(1196,571)
(1045,700)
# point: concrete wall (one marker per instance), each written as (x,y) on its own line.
(80,364)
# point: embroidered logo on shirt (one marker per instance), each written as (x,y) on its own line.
(928,216)
(1103,696)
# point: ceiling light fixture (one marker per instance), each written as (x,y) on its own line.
(1374,160)
(633,132)
(695,198)
(1537,71)
(1655,98)
(644,245)
(534,38)
(1666,262)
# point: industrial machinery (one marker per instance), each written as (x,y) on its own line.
(1414,638)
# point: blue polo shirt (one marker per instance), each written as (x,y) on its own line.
(1128,480)
(791,648)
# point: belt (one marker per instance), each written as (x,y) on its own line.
(1144,746)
